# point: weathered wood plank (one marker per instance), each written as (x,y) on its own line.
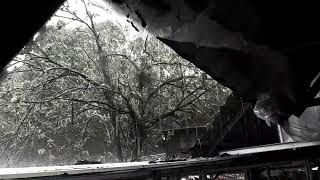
(266,148)
(284,157)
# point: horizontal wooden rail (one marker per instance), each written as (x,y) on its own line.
(269,147)
(271,156)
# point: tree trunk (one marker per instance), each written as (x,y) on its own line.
(116,134)
(137,149)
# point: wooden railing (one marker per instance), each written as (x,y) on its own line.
(259,162)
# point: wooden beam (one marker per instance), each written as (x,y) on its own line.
(314,102)
(269,147)
(315,88)
(274,159)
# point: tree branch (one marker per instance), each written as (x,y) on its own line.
(166,83)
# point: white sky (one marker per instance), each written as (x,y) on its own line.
(104,12)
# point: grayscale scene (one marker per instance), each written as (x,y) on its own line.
(159,90)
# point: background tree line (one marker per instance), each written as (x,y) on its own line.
(90,92)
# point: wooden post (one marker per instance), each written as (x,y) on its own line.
(174,177)
(156,175)
(247,175)
(308,170)
(280,134)
(202,176)
(252,174)
(268,174)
